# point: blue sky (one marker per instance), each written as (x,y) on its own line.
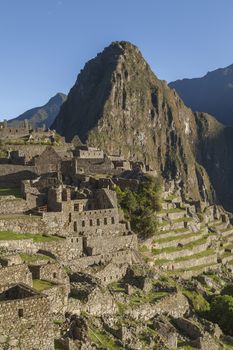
(45,43)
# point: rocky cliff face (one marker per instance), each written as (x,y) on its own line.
(215,152)
(119,105)
(42,115)
(212,93)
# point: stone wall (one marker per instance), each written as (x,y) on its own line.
(111,273)
(15,274)
(184,252)
(25,323)
(95,246)
(24,245)
(12,205)
(64,249)
(92,219)
(205,260)
(99,302)
(115,257)
(12,175)
(22,224)
(30,151)
(58,298)
(52,272)
(175,305)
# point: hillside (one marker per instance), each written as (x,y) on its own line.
(212,93)
(44,114)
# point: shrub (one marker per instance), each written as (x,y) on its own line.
(227,290)
(221,312)
(140,207)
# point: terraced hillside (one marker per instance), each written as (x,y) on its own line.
(189,240)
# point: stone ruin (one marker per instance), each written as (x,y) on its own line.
(71,240)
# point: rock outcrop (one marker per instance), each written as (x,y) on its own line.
(119,105)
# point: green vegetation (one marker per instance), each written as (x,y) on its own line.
(221,312)
(58,345)
(227,290)
(139,297)
(10,235)
(140,207)
(122,307)
(177,230)
(14,191)
(143,249)
(173,210)
(184,219)
(194,268)
(33,258)
(103,340)
(117,287)
(198,302)
(41,285)
(189,246)
(174,238)
(196,256)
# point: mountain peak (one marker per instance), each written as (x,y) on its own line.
(44,114)
(119,105)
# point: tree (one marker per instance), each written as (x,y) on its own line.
(140,207)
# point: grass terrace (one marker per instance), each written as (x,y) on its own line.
(103,340)
(139,298)
(117,287)
(19,216)
(202,254)
(194,268)
(184,219)
(10,235)
(184,247)
(10,192)
(34,258)
(177,230)
(174,238)
(41,285)
(173,210)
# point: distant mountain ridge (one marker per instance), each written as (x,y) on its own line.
(212,93)
(45,114)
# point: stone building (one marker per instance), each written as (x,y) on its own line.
(25,320)
(47,162)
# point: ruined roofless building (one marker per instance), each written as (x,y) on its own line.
(25,319)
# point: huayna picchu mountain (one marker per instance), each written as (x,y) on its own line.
(212,93)
(119,105)
(42,115)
